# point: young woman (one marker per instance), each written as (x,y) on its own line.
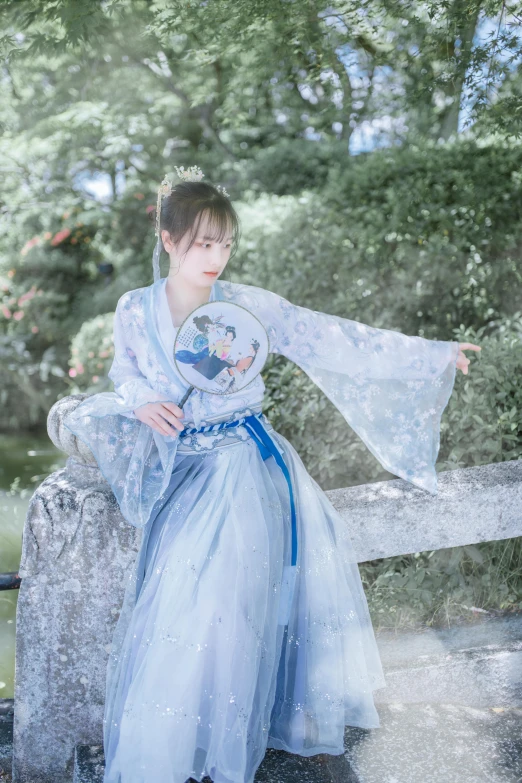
(209,665)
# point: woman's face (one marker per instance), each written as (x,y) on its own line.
(206,259)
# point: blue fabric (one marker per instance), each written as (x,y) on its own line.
(390,388)
(202,675)
(268,448)
(187,357)
(222,648)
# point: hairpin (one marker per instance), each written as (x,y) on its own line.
(192,174)
(165,189)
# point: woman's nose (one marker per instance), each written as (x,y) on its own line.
(216,256)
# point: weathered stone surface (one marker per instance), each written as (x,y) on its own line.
(6,735)
(76,550)
(89,764)
(479,665)
(62,437)
(389,518)
(426,743)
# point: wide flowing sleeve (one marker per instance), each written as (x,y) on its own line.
(131,385)
(391,388)
(135,459)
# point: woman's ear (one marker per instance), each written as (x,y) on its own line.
(167,241)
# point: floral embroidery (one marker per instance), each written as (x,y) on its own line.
(389,387)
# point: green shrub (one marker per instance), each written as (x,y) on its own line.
(418,239)
(483,419)
(92,351)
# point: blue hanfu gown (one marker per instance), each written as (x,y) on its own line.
(228,642)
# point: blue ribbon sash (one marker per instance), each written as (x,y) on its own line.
(267,448)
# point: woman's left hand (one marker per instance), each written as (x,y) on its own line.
(462,359)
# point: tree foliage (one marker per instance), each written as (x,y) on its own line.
(420,236)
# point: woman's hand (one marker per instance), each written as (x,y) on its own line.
(462,359)
(158,415)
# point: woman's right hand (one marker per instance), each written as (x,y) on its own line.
(158,415)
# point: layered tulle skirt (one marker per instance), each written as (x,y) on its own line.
(203,676)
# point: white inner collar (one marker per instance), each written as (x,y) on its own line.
(167,329)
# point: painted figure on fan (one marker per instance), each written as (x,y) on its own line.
(222,346)
(200,342)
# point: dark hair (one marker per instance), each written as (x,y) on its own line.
(232,330)
(183,209)
(201,322)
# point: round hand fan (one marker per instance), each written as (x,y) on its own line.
(220,348)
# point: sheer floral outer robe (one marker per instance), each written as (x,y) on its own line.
(203,675)
(391,389)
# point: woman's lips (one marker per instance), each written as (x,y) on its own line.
(212,274)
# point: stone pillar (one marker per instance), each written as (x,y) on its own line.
(76,550)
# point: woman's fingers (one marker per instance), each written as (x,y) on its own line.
(163,420)
(161,416)
(462,359)
(154,416)
(173,420)
(173,408)
(172,413)
(469,347)
(462,362)
(162,426)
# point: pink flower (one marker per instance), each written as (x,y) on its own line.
(18,315)
(95,378)
(6,311)
(34,329)
(28,295)
(60,236)
(72,373)
(29,244)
